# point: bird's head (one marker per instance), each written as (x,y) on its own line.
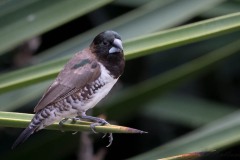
(107,44)
(108,49)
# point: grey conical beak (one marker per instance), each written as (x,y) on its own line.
(116,46)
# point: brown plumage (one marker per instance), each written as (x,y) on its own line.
(79,71)
(84,81)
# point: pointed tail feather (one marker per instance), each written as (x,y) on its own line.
(24,136)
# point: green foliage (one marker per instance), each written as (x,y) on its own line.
(20,120)
(134,48)
(214,125)
(36,17)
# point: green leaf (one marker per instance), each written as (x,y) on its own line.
(152,88)
(182,35)
(30,75)
(227,7)
(21,120)
(32,19)
(214,136)
(131,3)
(28,94)
(127,24)
(134,48)
(135,22)
(187,156)
(185,110)
(8,6)
(120,24)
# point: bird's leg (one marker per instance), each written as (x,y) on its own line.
(74,120)
(61,123)
(97,122)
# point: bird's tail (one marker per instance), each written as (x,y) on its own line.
(33,127)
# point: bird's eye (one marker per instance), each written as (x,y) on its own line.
(105,43)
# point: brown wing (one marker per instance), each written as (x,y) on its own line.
(79,71)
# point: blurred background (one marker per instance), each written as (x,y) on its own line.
(183,107)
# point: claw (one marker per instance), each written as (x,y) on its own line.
(74,133)
(104,135)
(74,120)
(110,139)
(93,125)
(97,122)
(61,123)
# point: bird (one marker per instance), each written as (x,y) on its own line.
(85,79)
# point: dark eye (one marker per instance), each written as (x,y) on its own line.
(105,43)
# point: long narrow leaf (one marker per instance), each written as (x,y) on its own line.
(182,35)
(28,94)
(225,8)
(135,48)
(20,120)
(152,88)
(187,156)
(170,12)
(39,17)
(214,136)
(7,7)
(185,110)
(134,17)
(160,14)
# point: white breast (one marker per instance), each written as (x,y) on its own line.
(109,82)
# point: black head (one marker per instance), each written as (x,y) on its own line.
(107,46)
(107,43)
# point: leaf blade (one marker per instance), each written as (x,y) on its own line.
(39,17)
(21,120)
(135,48)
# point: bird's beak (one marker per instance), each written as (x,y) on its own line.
(116,46)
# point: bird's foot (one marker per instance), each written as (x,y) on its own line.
(98,122)
(110,137)
(74,120)
(61,123)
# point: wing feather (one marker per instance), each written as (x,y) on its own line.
(77,73)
